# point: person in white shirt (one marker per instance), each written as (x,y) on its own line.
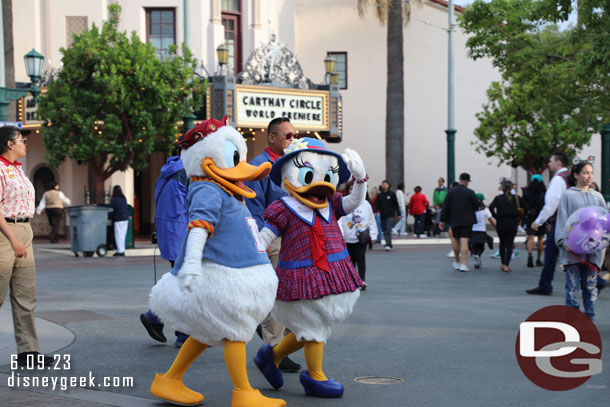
(479,236)
(399,227)
(53,201)
(361,219)
(558,163)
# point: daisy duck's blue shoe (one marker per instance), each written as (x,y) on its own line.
(315,388)
(264,362)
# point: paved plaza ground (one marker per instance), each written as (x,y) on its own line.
(448,336)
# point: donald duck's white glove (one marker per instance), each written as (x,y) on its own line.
(190,271)
(356,166)
(267,237)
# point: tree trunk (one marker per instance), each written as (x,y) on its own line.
(395,101)
(96,183)
(99,190)
(9,62)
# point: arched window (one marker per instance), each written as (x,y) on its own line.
(43,177)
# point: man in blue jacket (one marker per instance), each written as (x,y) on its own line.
(280,133)
(171,220)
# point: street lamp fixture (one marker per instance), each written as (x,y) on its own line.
(33,64)
(329,65)
(223,54)
(334,78)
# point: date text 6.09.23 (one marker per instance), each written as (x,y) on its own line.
(37,362)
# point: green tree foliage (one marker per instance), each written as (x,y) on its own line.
(114,102)
(512,129)
(539,107)
(592,31)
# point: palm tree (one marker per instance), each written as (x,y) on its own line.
(9,63)
(396,13)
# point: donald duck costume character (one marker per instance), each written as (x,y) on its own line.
(216,294)
(318,285)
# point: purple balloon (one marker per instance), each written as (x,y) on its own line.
(604,222)
(587,217)
(585,241)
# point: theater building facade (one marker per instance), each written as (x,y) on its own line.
(275,67)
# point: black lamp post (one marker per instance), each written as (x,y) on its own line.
(605,183)
(33,65)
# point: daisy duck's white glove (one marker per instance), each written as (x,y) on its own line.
(190,271)
(356,166)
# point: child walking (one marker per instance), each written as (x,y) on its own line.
(581,269)
(479,236)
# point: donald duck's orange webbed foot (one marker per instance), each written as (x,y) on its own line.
(174,391)
(254,398)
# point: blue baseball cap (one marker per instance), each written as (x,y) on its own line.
(536,177)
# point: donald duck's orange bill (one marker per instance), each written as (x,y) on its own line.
(231,178)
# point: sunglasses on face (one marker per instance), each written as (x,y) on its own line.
(288,135)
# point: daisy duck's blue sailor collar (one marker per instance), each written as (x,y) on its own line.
(304,212)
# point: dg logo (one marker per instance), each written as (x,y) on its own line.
(559,348)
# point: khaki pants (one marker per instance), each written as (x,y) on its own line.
(20,274)
(273,332)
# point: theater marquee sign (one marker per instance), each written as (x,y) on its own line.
(256,106)
(272,84)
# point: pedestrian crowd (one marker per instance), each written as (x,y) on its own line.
(539,212)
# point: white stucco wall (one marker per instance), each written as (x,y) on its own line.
(338,27)
(41,24)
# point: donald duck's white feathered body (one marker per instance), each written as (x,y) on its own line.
(318,285)
(222,285)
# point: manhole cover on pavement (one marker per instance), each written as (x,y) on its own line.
(378,380)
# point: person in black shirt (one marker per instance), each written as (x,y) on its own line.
(458,210)
(504,210)
(387,205)
(120,219)
(533,202)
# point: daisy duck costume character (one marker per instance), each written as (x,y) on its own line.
(222,285)
(318,285)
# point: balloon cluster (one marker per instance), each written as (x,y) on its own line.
(589,230)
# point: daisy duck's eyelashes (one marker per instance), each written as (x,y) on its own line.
(330,174)
(299,163)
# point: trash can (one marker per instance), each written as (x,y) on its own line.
(88,229)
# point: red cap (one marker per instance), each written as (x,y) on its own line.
(199,132)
